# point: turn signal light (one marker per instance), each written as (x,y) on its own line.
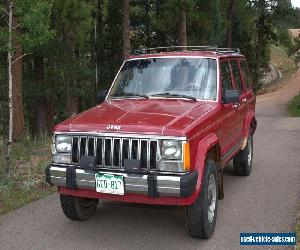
(186,156)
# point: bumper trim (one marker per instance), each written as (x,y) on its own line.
(48,175)
(152,185)
(71,177)
(188,184)
(173,186)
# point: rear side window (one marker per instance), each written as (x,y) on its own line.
(236,74)
(226,78)
(246,74)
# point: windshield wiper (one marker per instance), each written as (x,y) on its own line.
(129,94)
(176,95)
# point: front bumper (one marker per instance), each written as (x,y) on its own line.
(157,185)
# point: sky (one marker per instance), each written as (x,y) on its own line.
(296,3)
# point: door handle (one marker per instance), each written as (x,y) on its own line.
(235,106)
(244,100)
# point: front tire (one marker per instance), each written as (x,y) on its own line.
(78,208)
(242,162)
(201,216)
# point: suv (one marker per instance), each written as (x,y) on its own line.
(165,130)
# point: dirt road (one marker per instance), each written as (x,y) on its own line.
(267,201)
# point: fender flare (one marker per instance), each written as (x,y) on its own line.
(250,124)
(204,146)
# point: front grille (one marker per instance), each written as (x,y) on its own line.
(111,151)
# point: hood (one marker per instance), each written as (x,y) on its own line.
(138,116)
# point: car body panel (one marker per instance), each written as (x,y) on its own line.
(159,116)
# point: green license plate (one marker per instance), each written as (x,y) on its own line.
(109,183)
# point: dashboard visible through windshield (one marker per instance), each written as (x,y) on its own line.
(192,78)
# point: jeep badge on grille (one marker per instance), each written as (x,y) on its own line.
(113,127)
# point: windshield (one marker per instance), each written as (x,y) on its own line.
(173,77)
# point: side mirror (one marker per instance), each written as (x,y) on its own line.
(101,96)
(231,96)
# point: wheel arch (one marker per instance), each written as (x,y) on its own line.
(209,148)
(250,124)
(253,125)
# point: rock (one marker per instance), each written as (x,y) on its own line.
(270,75)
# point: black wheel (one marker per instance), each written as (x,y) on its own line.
(242,162)
(77,208)
(201,216)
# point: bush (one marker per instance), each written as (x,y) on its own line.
(294,106)
(27,181)
(285,39)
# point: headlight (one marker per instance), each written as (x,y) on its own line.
(63,143)
(171,150)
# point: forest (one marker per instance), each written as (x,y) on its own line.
(58,54)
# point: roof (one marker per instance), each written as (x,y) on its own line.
(201,51)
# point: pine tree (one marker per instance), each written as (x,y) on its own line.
(23,33)
(126,29)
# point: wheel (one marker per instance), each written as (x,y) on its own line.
(77,208)
(242,162)
(201,216)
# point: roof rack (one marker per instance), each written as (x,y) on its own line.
(215,49)
(228,50)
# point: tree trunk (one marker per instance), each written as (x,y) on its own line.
(18,112)
(41,113)
(126,29)
(96,59)
(98,46)
(182,38)
(72,104)
(10,91)
(230,24)
(160,39)
(75,101)
(72,101)
(260,37)
(147,24)
(260,34)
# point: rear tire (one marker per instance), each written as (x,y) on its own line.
(78,208)
(242,162)
(201,216)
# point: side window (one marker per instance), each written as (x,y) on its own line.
(236,74)
(246,74)
(226,78)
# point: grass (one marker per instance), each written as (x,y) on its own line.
(282,61)
(293,106)
(27,181)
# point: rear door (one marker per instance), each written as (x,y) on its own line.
(238,84)
(248,84)
(229,132)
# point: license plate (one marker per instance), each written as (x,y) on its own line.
(109,183)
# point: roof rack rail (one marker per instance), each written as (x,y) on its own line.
(143,50)
(228,50)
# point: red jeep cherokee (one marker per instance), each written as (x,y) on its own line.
(163,133)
